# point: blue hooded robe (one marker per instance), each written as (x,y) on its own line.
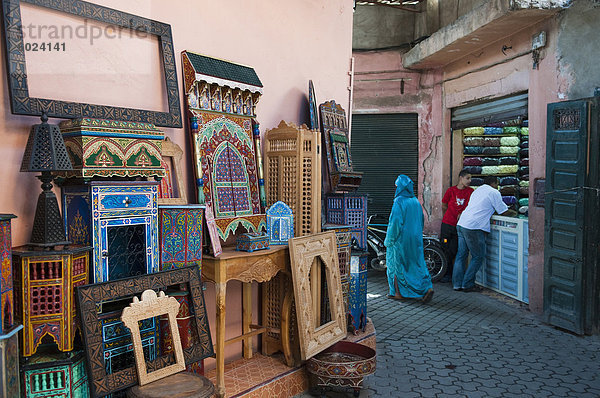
(404,243)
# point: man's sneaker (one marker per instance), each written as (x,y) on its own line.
(474,288)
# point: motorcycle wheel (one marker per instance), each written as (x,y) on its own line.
(378,264)
(436,261)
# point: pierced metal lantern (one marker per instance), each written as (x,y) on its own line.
(46,152)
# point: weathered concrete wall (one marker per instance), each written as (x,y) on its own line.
(381,27)
(380,93)
(579,47)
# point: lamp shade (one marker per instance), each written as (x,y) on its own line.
(45,150)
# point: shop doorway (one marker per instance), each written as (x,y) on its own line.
(384,146)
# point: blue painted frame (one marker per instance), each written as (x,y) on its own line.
(280,223)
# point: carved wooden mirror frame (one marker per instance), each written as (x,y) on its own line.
(303,251)
(151,306)
(173,152)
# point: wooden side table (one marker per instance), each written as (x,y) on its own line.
(260,266)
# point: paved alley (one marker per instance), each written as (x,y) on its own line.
(473,345)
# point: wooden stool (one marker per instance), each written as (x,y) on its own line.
(180,385)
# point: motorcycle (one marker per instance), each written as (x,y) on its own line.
(433,251)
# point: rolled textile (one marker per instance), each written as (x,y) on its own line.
(472,170)
(524,183)
(510,150)
(523,209)
(524,190)
(524,177)
(473,141)
(524,162)
(525,123)
(524,202)
(510,130)
(524,144)
(505,169)
(524,171)
(508,160)
(509,189)
(476,181)
(472,161)
(473,150)
(473,131)
(492,130)
(490,170)
(510,141)
(490,150)
(508,180)
(490,162)
(509,200)
(524,130)
(491,141)
(524,152)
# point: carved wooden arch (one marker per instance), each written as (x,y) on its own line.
(151,306)
(303,250)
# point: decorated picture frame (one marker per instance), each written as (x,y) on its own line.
(23,104)
(172,186)
(90,297)
(150,305)
(304,250)
(280,223)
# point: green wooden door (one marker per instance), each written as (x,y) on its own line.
(567,172)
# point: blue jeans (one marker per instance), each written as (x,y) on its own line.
(469,240)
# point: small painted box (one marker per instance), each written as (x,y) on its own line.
(180,235)
(110,148)
(357,304)
(250,242)
(9,363)
(55,375)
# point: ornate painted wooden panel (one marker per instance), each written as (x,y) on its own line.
(7,304)
(110,148)
(120,221)
(357,305)
(221,99)
(46,281)
(280,223)
(349,209)
(339,176)
(56,375)
(119,293)
(180,234)
(9,363)
(293,174)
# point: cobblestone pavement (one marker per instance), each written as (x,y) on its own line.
(472,345)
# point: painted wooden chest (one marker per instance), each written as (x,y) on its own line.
(110,148)
(349,209)
(55,375)
(119,220)
(357,304)
(180,235)
(9,363)
(7,304)
(46,282)
(252,241)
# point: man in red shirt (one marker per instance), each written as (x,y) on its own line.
(455,200)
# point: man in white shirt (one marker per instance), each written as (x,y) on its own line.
(472,228)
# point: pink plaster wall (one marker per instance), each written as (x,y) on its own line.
(422,95)
(287,43)
(489,74)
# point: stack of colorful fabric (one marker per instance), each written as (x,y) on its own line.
(473,131)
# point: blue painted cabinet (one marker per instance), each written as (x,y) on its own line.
(505,268)
(119,220)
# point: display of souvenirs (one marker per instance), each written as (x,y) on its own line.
(339,175)
(252,241)
(47,280)
(7,303)
(221,106)
(110,148)
(280,223)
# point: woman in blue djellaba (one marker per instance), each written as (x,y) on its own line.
(408,277)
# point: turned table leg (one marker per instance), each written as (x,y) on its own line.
(220,350)
(247,318)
